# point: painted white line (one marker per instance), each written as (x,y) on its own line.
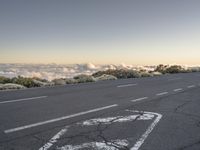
(117,119)
(177,90)
(119,144)
(191,86)
(24,99)
(173,79)
(126,85)
(163,93)
(54,139)
(58,119)
(139,143)
(139,99)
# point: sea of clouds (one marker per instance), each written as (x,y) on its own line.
(53,71)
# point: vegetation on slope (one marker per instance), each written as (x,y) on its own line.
(110,74)
(120,74)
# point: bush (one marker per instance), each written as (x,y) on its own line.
(27,82)
(8,86)
(4,80)
(120,74)
(41,83)
(84,78)
(161,68)
(70,81)
(145,74)
(174,69)
(169,69)
(39,79)
(106,77)
(59,81)
(193,70)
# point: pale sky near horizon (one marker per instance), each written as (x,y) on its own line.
(100,31)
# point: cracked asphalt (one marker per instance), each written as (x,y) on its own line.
(178,129)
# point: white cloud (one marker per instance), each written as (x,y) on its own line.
(46,71)
(52,71)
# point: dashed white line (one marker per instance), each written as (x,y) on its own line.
(126,85)
(190,86)
(58,119)
(24,99)
(163,93)
(177,90)
(139,99)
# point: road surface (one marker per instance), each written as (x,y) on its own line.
(144,113)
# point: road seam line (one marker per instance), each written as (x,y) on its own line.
(24,99)
(139,99)
(163,93)
(57,119)
(126,85)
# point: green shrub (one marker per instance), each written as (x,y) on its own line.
(161,68)
(41,82)
(84,78)
(39,79)
(170,69)
(8,86)
(27,82)
(120,74)
(106,77)
(4,80)
(174,69)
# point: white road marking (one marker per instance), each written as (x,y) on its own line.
(191,86)
(126,85)
(24,99)
(139,99)
(177,90)
(108,146)
(58,119)
(163,93)
(139,143)
(110,120)
(120,144)
(54,139)
(173,79)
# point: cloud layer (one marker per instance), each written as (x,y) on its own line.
(53,71)
(49,71)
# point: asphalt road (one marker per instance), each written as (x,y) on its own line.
(155,113)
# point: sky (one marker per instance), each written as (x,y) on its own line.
(139,32)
